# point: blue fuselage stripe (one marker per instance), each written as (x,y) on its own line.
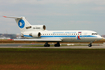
(68,36)
(64,36)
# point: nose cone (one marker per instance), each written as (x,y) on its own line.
(99,37)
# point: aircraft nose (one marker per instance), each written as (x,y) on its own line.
(99,37)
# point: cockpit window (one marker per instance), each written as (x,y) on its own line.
(94,34)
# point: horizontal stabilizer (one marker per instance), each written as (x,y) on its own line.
(21,22)
(13,17)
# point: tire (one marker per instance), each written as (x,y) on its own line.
(47,45)
(57,45)
(90,45)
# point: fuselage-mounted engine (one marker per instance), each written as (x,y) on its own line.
(35,34)
(39,27)
(36,28)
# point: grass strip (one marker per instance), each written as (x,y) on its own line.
(51,59)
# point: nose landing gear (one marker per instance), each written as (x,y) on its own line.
(90,45)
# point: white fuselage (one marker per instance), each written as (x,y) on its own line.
(67,35)
(39,33)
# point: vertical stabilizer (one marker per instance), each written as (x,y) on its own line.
(21,22)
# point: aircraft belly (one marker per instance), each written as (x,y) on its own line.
(86,39)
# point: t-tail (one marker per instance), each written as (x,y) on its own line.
(25,26)
(22,23)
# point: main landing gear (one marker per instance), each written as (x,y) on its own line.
(57,45)
(48,45)
(90,45)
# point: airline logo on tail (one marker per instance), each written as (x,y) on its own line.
(21,23)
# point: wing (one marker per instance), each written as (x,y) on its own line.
(41,40)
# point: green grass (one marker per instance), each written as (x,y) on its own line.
(52,59)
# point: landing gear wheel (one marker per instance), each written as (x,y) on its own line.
(90,45)
(46,44)
(57,45)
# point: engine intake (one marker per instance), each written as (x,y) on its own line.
(44,27)
(35,34)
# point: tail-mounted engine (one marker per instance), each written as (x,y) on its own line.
(39,27)
(35,34)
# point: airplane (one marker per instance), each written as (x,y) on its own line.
(40,34)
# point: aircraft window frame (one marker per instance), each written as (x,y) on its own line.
(94,33)
(79,34)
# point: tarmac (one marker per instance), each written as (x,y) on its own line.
(95,46)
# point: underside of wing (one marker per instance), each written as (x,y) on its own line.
(41,40)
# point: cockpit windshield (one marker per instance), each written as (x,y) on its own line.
(94,33)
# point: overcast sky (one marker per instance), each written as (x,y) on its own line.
(55,14)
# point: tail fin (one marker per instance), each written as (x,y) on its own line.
(21,22)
